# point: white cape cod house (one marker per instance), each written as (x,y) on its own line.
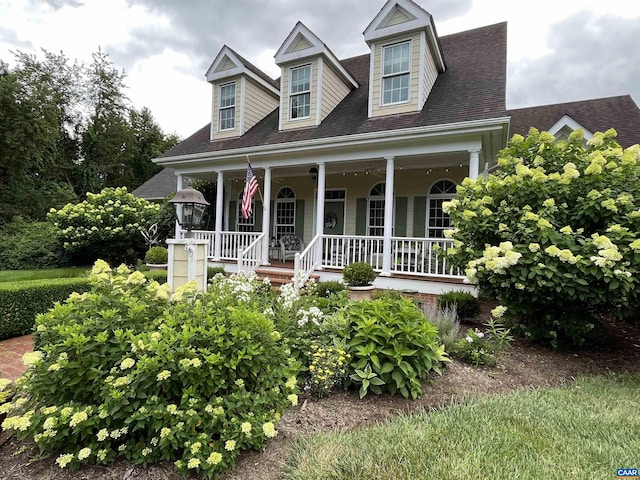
(356,156)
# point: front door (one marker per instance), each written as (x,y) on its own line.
(334,217)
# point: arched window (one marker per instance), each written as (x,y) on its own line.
(438,221)
(245,224)
(375,211)
(285,213)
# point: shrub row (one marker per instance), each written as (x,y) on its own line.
(20,302)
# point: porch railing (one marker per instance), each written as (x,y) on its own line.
(230,242)
(203,235)
(341,250)
(411,256)
(306,261)
(421,256)
(250,258)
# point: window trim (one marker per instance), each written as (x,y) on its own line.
(228,107)
(300,93)
(382,198)
(396,74)
(279,200)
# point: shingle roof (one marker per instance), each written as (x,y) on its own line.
(472,88)
(159,186)
(596,115)
(257,71)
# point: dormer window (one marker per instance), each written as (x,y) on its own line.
(396,73)
(227,106)
(300,98)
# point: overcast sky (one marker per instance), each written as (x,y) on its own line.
(558,50)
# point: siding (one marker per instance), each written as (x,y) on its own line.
(258,103)
(430,74)
(398,17)
(333,90)
(215,133)
(411,106)
(286,74)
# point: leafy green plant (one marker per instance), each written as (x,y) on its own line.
(554,233)
(394,338)
(326,289)
(483,348)
(106,225)
(386,294)
(367,378)
(327,368)
(128,371)
(467,306)
(28,245)
(213,271)
(156,255)
(358,274)
(446,321)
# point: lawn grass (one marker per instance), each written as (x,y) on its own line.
(586,430)
(20,275)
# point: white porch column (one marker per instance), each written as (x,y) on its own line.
(178,188)
(217,247)
(474,164)
(266,213)
(320,211)
(388,218)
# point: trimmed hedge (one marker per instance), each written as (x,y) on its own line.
(20,302)
(467,306)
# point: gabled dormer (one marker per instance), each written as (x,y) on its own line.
(406,58)
(242,95)
(312,80)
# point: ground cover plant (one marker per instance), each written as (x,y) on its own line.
(125,370)
(527,434)
(41,274)
(553,234)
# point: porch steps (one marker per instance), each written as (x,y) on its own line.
(279,276)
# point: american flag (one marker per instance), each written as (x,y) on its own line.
(250,187)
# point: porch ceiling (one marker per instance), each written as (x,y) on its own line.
(374,166)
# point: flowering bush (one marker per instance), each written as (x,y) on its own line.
(484,348)
(327,368)
(390,340)
(106,225)
(554,233)
(125,370)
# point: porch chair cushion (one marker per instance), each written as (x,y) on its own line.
(290,244)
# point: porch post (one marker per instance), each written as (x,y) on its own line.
(217,246)
(178,188)
(474,164)
(388,218)
(320,212)
(266,213)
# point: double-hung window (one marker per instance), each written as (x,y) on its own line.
(395,73)
(300,98)
(227,106)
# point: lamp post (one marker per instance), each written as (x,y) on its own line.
(190,206)
(190,262)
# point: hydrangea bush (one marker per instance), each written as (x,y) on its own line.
(106,225)
(126,370)
(554,232)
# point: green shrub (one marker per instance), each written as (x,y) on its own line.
(483,348)
(106,225)
(156,255)
(127,371)
(30,245)
(159,276)
(467,306)
(386,294)
(326,289)
(393,341)
(21,302)
(554,233)
(213,271)
(358,274)
(327,369)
